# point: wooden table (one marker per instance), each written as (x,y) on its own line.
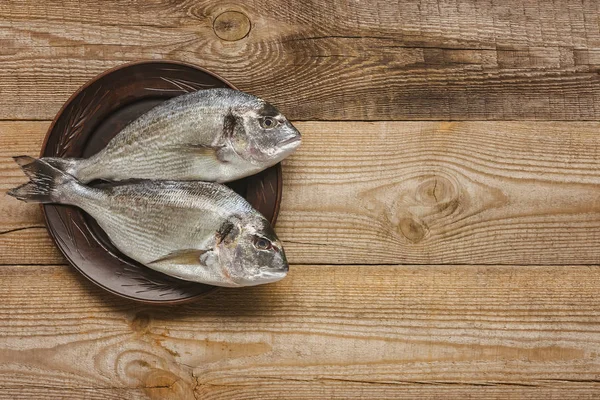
(442,216)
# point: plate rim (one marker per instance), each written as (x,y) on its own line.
(71,98)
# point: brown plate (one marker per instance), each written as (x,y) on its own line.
(85,124)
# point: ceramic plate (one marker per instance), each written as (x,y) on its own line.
(85,124)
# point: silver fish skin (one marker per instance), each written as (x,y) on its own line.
(195,231)
(216,135)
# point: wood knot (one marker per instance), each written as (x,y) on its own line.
(231,26)
(161,385)
(434,190)
(140,322)
(439,192)
(412,229)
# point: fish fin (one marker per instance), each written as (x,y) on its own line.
(217,152)
(44,184)
(68,165)
(23,160)
(185,257)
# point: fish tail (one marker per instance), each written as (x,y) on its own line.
(45,184)
(68,165)
(83,169)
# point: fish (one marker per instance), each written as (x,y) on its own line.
(192,230)
(215,135)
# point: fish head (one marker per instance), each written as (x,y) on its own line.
(252,254)
(260,134)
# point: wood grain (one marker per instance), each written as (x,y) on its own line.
(323,332)
(427,59)
(401,192)
(451,192)
(500,204)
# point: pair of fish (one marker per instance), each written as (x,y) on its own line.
(179,219)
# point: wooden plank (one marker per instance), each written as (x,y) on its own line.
(323,332)
(32,245)
(401,192)
(39,392)
(313,390)
(344,390)
(22,229)
(427,59)
(457,192)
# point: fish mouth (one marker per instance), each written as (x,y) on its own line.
(292,140)
(273,275)
(265,277)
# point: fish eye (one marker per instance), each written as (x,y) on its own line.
(268,122)
(262,244)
